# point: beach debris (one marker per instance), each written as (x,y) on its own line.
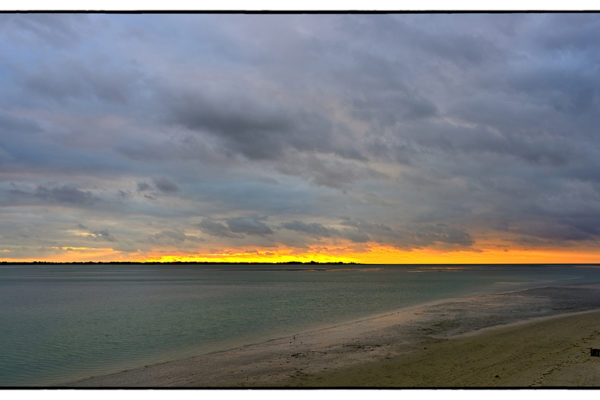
(595,352)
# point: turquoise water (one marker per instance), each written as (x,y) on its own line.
(60,323)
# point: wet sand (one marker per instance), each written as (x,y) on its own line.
(535,337)
(554,352)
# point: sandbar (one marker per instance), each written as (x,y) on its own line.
(535,337)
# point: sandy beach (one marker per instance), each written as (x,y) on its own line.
(536,337)
(552,352)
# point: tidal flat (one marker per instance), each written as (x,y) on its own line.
(533,337)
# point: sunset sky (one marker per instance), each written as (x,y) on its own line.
(369,138)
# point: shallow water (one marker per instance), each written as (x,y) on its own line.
(65,322)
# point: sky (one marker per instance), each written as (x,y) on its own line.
(391,138)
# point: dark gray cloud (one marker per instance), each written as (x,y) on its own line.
(249,126)
(249,225)
(316,230)
(313,229)
(165,185)
(152,191)
(360,231)
(376,229)
(143,186)
(217,229)
(236,228)
(412,235)
(68,195)
(328,171)
(172,237)
(442,234)
(64,194)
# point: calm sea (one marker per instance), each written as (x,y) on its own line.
(60,323)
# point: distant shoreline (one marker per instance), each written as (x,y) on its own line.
(179,262)
(266,263)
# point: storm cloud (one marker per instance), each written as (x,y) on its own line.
(202,132)
(68,195)
(249,226)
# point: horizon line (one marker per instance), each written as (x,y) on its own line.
(273,263)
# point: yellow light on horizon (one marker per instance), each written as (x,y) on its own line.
(371,253)
(378,254)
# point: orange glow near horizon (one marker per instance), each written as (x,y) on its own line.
(389,255)
(371,254)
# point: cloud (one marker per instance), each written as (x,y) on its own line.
(443,234)
(422,130)
(251,127)
(162,185)
(65,194)
(73,80)
(217,229)
(165,185)
(314,229)
(172,237)
(407,238)
(249,226)
(56,29)
(62,194)
(412,236)
(236,228)
(143,186)
(13,125)
(103,235)
(327,170)
(97,235)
